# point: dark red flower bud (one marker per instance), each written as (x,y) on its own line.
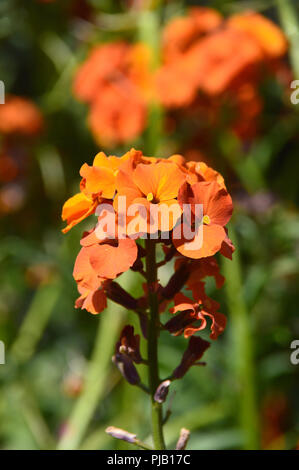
(126,368)
(129,344)
(193,353)
(116,293)
(177,324)
(176,282)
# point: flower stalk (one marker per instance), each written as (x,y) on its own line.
(153,331)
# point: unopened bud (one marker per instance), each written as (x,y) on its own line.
(176,282)
(116,293)
(119,433)
(126,368)
(162,391)
(183,439)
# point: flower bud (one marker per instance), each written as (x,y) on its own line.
(162,391)
(116,293)
(183,439)
(119,433)
(176,282)
(194,351)
(126,368)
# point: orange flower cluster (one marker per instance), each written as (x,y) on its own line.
(20,120)
(152,184)
(209,61)
(115,82)
(19,116)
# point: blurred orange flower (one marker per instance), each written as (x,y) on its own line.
(209,63)
(115,81)
(267,34)
(20,116)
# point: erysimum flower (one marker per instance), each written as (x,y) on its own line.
(117,114)
(181,32)
(267,34)
(217,210)
(149,184)
(192,312)
(98,182)
(152,185)
(96,264)
(210,64)
(115,81)
(90,285)
(20,116)
(109,258)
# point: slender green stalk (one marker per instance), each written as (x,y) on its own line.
(96,378)
(151,273)
(242,349)
(289,20)
(35,322)
(149,33)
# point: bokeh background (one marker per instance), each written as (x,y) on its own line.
(58,386)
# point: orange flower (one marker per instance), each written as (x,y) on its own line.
(181,32)
(98,183)
(20,116)
(96,264)
(200,171)
(191,312)
(76,209)
(266,33)
(176,83)
(99,179)
(218,67)
(109,258)
(117,114)
(217,210)
(90,285)
(104,62)
(151,185)
(193,61)
(116,82)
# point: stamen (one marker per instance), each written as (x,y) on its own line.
(150,197)
(206,219)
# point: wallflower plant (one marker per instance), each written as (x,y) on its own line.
(123,240)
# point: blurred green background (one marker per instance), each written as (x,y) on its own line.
(58,386)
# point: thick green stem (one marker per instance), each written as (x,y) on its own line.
(153,329)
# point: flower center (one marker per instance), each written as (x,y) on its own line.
(150,197)
(206,219)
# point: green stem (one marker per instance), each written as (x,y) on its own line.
(243,355)
(289,20)
(153,331)
(149,33)
(95,381)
